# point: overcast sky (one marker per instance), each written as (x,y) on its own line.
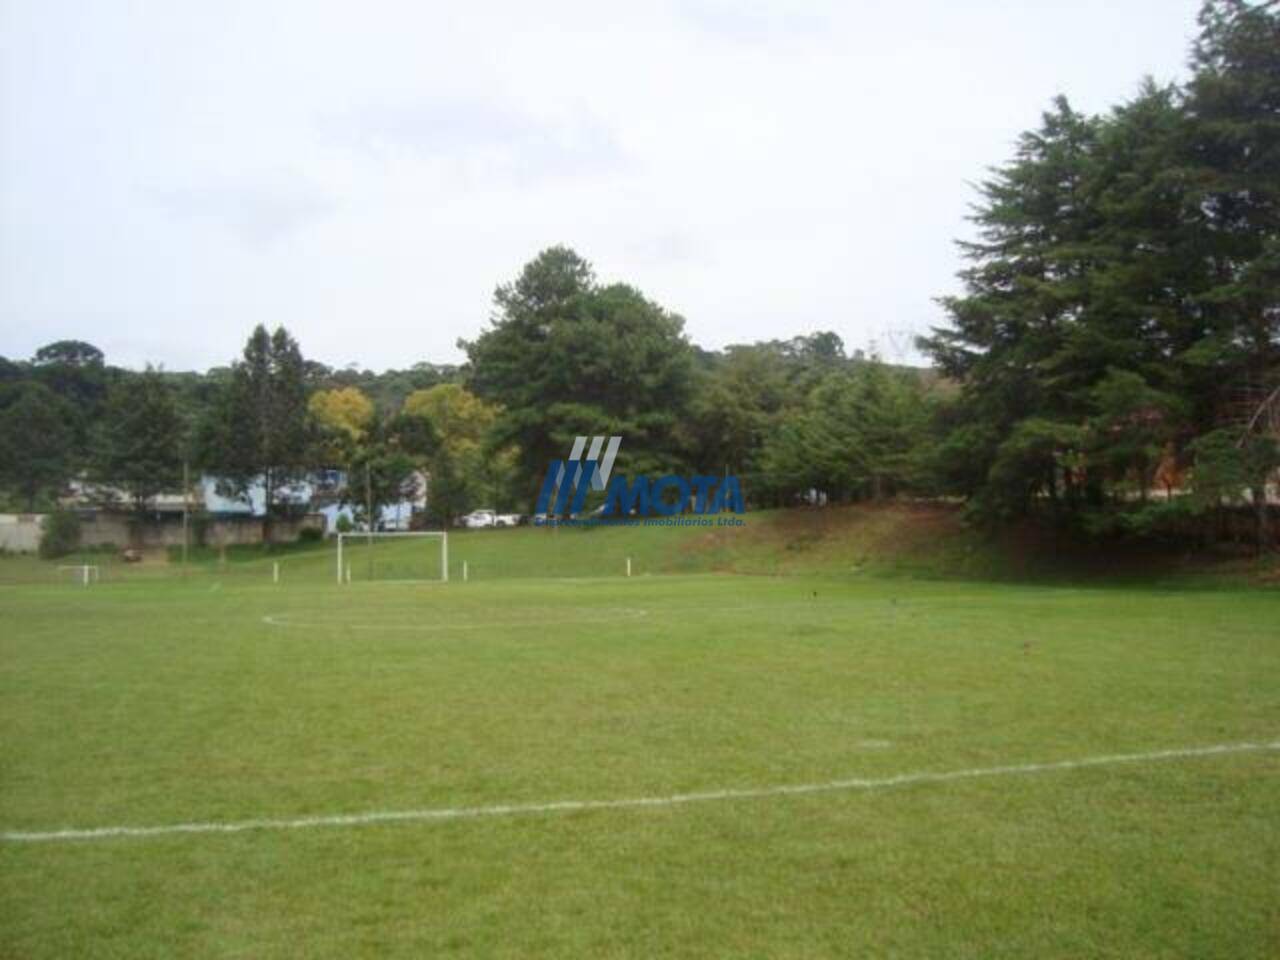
(172,173)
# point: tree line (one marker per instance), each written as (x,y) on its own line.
(1119,329)
(1112,363)
(265,423)
(564,356)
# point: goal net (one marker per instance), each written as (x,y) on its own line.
(418,556)
(81,573)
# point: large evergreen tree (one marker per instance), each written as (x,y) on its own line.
(565,356)
(1020,317)
(1125,285)
(37,444)
(1233,107)
(141,443)
(257,430)
(859,434)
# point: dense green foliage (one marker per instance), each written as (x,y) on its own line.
(257,429)
(60,534)
(56,421)
(37,443)
(567,357)
(859,431)
(141,439)
(1123,298)
(613,362)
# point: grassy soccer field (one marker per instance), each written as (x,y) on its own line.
(980,769)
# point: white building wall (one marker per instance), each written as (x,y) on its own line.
(20,532)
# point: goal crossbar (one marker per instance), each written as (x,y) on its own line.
(85,572)
(355,537)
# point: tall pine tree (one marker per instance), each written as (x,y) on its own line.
(256,434)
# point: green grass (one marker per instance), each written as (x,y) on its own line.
(897,540)
(153,699)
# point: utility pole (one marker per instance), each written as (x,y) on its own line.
(368,518)
(186,503)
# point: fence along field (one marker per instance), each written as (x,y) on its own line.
(525,552)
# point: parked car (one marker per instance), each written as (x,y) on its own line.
(478,519)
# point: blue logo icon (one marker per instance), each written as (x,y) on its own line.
(568,482)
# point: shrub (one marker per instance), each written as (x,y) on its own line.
(200,524)
(343,524)
(60,534)
(310,535)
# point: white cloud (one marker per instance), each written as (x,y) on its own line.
(481,138)
(172,174)
(259,209)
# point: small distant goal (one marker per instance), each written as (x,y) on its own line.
(419,556)
(81,573)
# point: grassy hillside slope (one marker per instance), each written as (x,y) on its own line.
(897,539)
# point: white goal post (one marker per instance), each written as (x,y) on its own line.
(343,573)
(85,573)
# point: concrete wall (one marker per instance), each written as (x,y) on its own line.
(121,530)
(20,532)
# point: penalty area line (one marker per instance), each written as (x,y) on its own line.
(672,800)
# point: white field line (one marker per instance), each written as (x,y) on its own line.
(678,799)
(605,615)
(598,615)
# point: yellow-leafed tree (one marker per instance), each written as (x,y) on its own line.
(460,418)
(345,410)
(465,471)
